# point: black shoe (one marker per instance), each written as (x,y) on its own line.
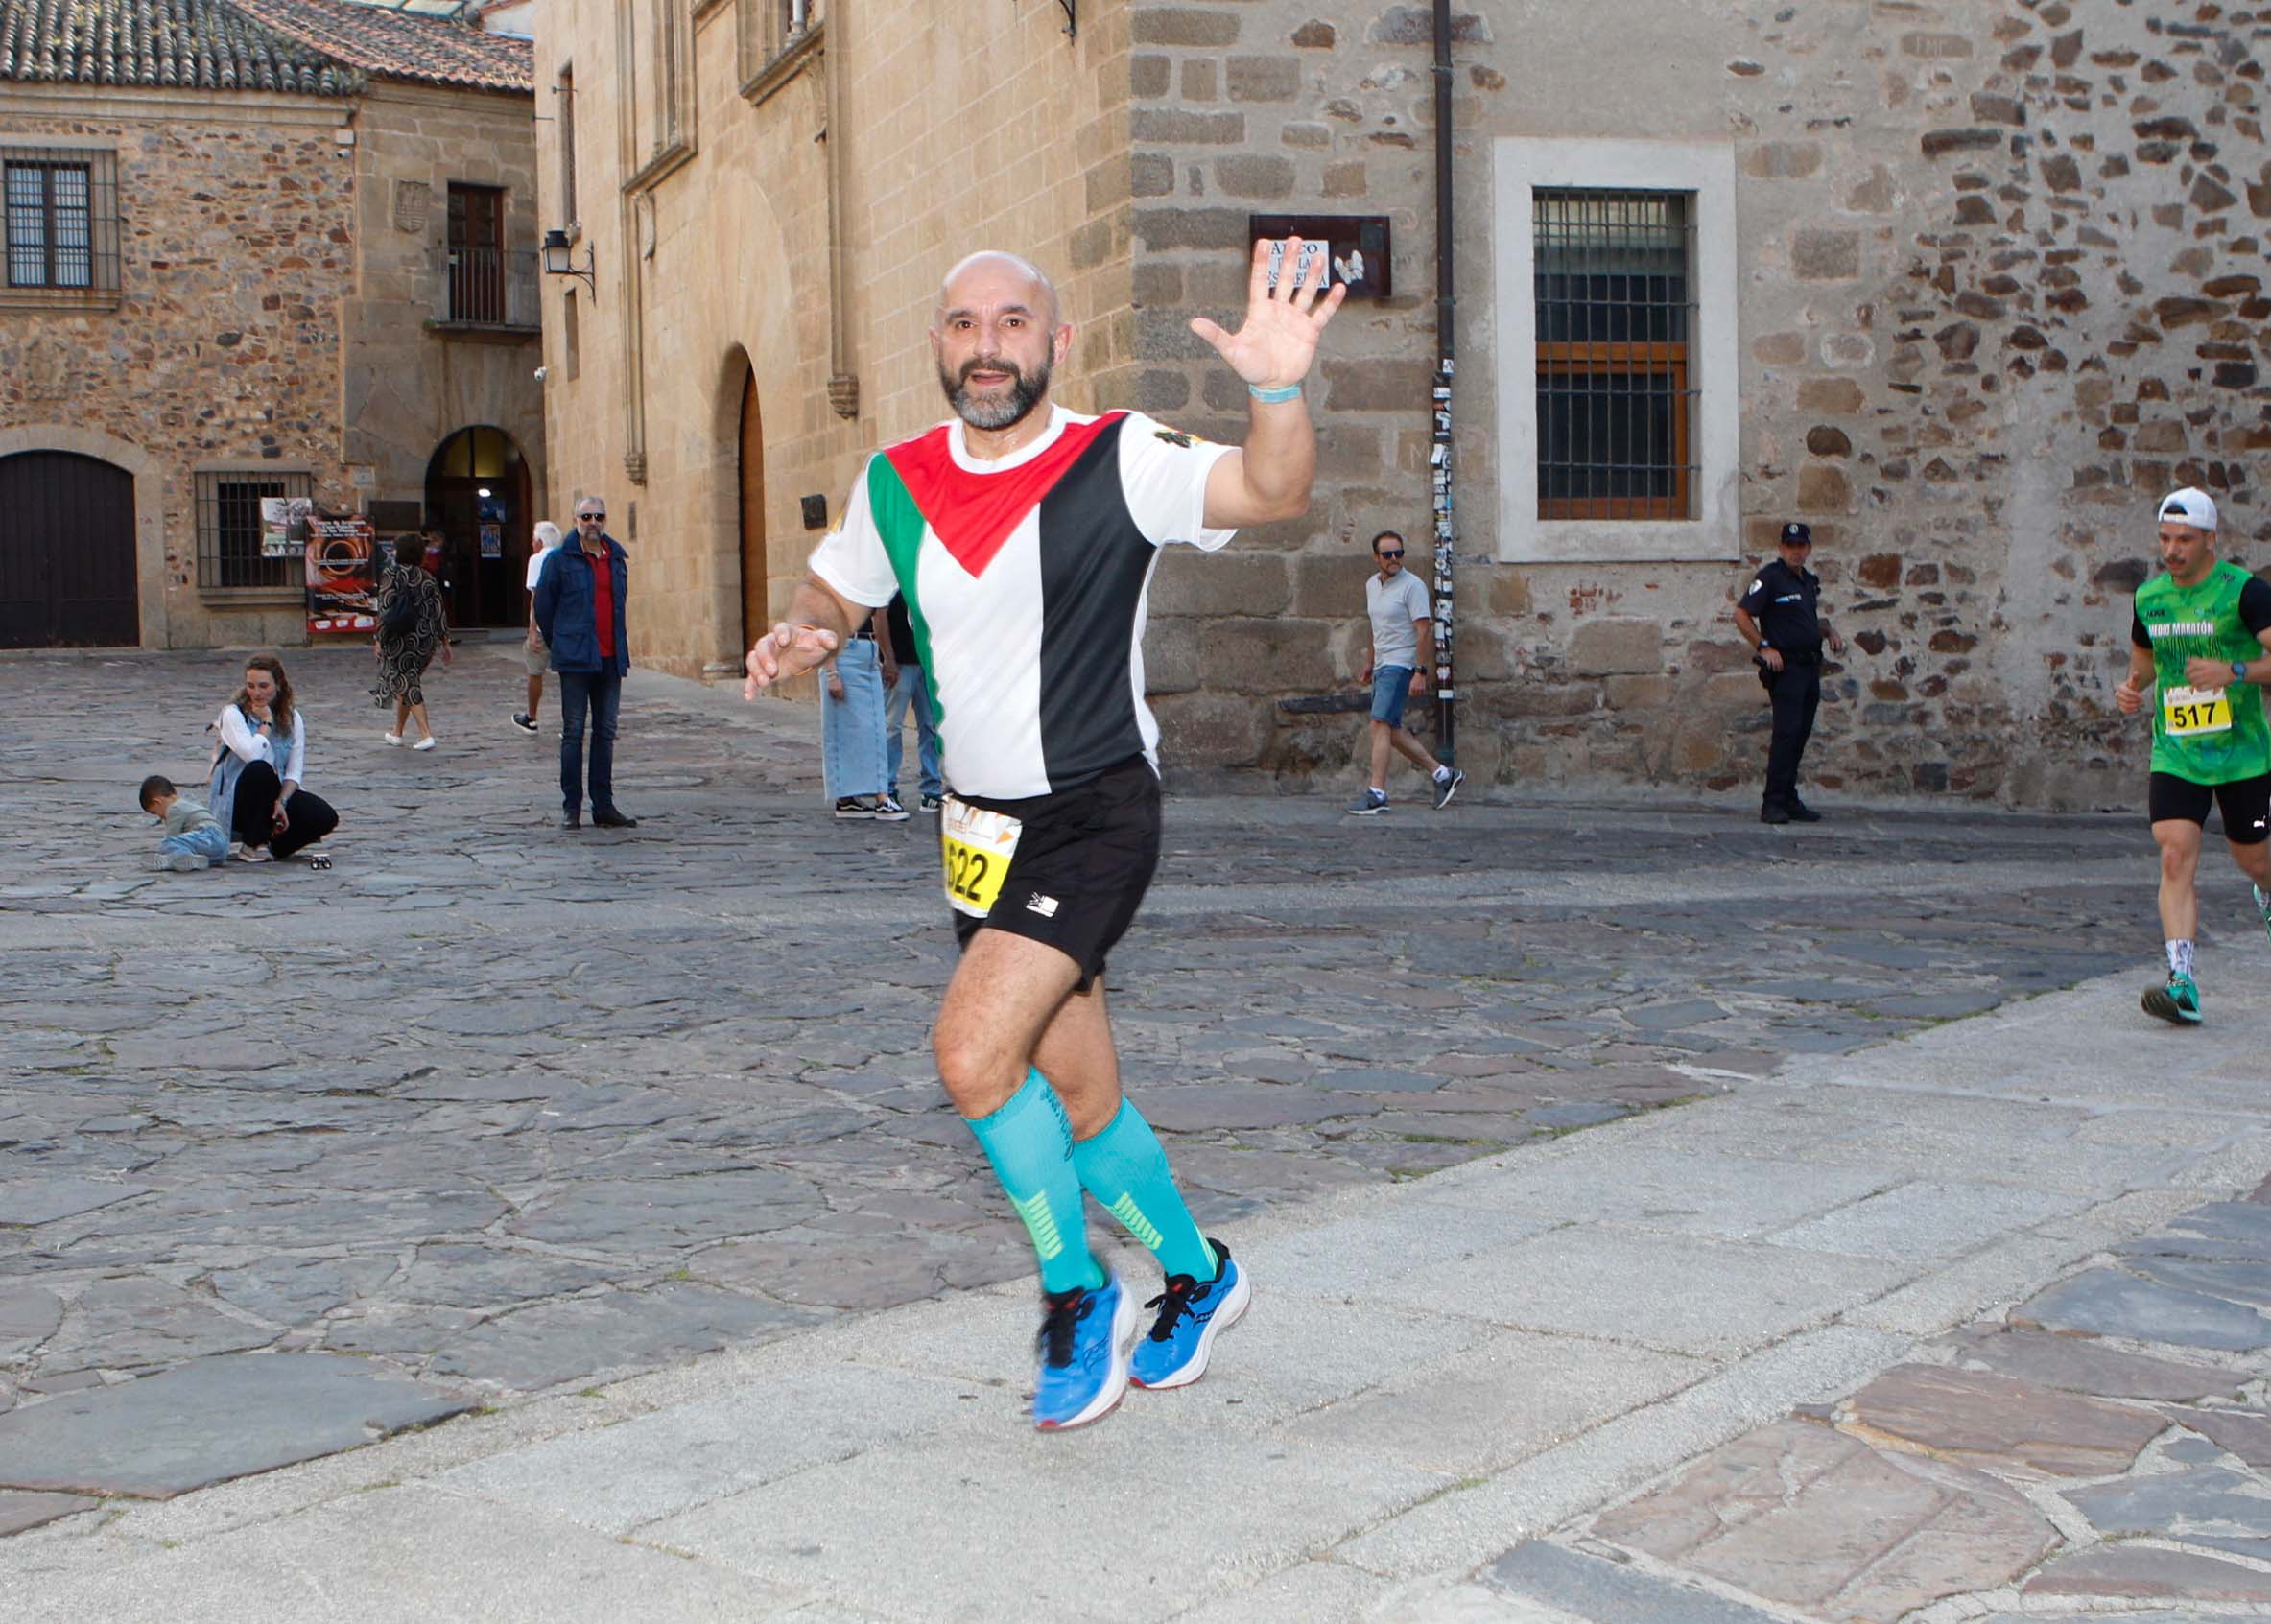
(1774,814)
(526,722)
(571,820)
(608,817)
(1801,812)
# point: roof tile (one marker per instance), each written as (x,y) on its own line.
(305,47)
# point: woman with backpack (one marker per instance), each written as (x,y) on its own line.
(410,627)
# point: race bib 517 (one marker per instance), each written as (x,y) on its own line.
(2187,713)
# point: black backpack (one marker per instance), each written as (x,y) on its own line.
(400,616)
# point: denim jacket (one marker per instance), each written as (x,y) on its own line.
(564,603)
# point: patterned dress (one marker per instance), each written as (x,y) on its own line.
(402,660)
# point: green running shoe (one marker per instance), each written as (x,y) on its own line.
(2178,1001)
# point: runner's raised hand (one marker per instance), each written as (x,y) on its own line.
(1273,346)
(787,651)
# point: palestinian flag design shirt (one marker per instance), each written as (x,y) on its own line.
(1025,581)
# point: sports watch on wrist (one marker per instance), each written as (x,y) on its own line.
(2239,669)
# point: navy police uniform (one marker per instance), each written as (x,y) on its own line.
(1786,603)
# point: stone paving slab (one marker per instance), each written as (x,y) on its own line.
(206,1420)
(401,1554)
(19,1511)
(1682,1295)
(1235,1513)
(1540,1571)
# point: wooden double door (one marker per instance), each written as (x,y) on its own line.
(66,553)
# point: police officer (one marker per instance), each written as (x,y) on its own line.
(1780,617)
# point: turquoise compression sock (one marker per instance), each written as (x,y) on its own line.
(1125,1168)
(1029,1142)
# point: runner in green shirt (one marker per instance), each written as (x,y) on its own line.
(2200,649)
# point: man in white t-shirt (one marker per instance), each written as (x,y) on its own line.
(534,654)
(1023,537)
(1401,654)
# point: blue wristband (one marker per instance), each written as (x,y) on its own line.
(1274,398)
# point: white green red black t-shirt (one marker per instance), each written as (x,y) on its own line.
(1025,581)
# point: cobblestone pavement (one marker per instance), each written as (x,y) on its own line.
(2103,1447)
(498,1107)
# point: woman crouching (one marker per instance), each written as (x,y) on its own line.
(255,791)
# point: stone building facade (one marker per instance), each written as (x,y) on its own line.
(266,303)
(765,243)
(1966,285)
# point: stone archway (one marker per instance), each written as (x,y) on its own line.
(477,496)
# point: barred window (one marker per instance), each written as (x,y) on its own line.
(229,528)
(61,213)
(1616,315)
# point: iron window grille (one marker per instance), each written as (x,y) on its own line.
(61,212)
(1616,317)
(228,529)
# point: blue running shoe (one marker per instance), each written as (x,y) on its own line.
(1191,1315)
(1083,1343)
(2179,1001)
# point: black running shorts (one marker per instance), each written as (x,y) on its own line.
(2245,803)
(1082,865)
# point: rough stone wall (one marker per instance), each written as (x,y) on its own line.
(965,125)
(237,248)
(2000,287)
(406,389)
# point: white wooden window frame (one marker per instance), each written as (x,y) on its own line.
(1521,165)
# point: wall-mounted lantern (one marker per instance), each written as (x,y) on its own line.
(560,260)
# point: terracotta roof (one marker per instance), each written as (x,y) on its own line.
(397,44)
(190,44)
(307,47)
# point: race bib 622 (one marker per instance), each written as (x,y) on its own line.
(976,846)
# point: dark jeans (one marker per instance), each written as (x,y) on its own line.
(1797,695)
(600,692)
(307,818)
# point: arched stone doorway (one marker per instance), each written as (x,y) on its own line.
(477,496)
(756,613)
(67,561)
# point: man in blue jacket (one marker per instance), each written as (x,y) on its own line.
(578,601)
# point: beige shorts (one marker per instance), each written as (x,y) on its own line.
(537,660)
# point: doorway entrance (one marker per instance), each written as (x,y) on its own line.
(755,612)
(66,553)
(477,496)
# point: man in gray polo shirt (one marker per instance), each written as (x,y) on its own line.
(1397,664)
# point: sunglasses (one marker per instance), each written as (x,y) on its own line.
(1397,552)
(593,518)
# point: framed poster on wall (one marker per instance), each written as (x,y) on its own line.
(342,575)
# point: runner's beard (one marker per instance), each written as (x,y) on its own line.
(1002,412)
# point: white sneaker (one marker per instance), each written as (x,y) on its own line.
(426,743)
(252,854)
(391,737)
(183,863)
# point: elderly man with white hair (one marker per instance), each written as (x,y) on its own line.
(2200,647)
(1023,536)
(534,655)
